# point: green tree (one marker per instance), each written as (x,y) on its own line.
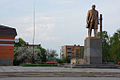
(67,60)
(64,59)
(21,49)
(25,55)
(21,43)
(111,46)
(115,47)
(43,54)
(51,55)
(105,46)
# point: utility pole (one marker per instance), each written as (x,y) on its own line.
(33,28)
(101,26)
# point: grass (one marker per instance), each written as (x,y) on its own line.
(36,65)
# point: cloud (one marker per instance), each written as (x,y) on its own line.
(41,27)
(64,1)
(1,0)
(45,26)
(46,37)
(5,1)
(44,32)
(39,19)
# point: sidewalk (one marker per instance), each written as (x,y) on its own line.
(18,71)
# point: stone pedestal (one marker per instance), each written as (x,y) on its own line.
(93,51)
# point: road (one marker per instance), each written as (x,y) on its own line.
(18,71)
(53,69)
(60,78)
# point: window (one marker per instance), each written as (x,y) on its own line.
(77,54)
(73,49)
(69,54)
(68,49)
(77,51)
(73,54)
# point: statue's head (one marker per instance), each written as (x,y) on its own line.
(93,7)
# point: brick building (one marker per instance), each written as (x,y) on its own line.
(7,36)
(73,51)
(33,45)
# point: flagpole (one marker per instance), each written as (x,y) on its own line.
(34,18)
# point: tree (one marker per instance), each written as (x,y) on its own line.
(105,46)
(115,47)
(111,46)
(24,55)
(21,54)
(21,43)
(43,54)
(64,59)
(51,55)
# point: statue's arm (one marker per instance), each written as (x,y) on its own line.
(88,16)
(97,17)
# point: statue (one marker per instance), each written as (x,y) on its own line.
(92,21)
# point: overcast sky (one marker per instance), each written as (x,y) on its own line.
(58,22)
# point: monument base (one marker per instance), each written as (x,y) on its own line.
(93,51)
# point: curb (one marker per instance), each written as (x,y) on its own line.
(59,74)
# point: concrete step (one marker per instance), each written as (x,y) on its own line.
(96,66)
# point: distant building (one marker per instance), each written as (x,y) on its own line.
(33,45)
(7,36)
(73,51)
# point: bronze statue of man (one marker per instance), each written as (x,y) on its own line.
(92,21)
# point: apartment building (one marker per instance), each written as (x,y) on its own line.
(73,51)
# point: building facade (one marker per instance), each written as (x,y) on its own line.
(33,45)
(7,36)
(73,51)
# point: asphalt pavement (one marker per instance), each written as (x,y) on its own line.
(19,71)
(60,78)
(53,69)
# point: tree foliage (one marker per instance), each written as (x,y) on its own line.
(64,59)
(21,43)
(24,54)
(105,46)
(115,47)
(110,46)
(51,55)
(43,54)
